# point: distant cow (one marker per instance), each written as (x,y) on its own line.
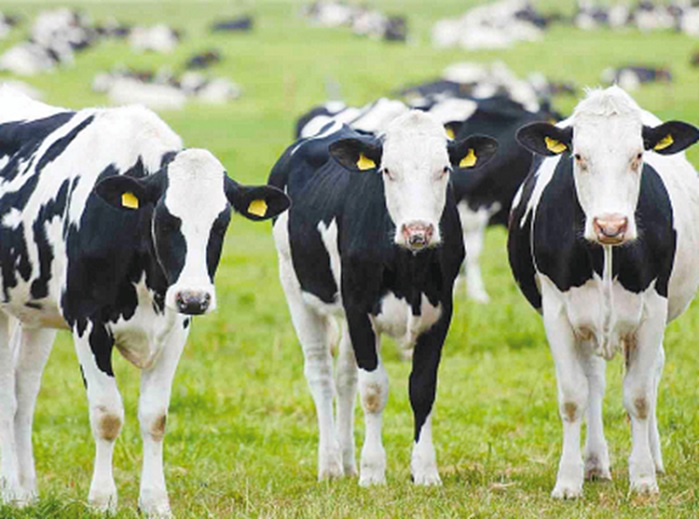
(604,243)
(631,77)
(110,229)
(241,23)
(203,59)
(373,238)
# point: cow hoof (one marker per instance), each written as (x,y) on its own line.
(566,490)
(350,469)
(369,479)
(597,470)
(644,486)
(428,479)
(161,511)
(103,502)
(330,468)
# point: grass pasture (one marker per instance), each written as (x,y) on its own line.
(242,432)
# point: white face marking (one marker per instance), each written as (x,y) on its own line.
(196,196)
(415,167)
(608,158)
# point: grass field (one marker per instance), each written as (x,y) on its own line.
(242,431)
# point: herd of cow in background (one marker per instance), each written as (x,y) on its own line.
(379,212)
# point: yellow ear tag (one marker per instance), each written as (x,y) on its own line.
(554,145)
(364,163)
(469,160)
(663,143)
(129,200)
(450,132)
(258,208)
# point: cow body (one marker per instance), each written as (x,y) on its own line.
(97,235)
(337,258)
(607,280)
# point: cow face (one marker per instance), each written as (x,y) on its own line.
(606,144)
(414,158)
(190,203)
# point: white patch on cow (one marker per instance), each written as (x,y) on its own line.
(396,319)
(543,176)
(423,462)
(315,125)
(328,233)
(451,110)
(195,195)
(12,219)
(332,128)
(378,116)
(415,155)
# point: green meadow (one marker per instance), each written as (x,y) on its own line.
(242,433)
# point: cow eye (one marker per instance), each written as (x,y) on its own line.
(387,174)
(578,157)
(446,170)
(639,156)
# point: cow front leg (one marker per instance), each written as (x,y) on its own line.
(34,349)
(473,240)
(156,386)
(572,398)
(596,451)
(346,382)
(94,350)
(423,389)
(10,488)
(373,393)
(640,394)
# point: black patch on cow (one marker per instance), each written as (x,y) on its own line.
(58,147)
(215,243)
(185,322)
(170,243)
(33,305)
(562,254)
(322,191)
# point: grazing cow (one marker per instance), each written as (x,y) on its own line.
(203,59)
(631,77)
(110,229)
(241,23)
(373,237)
(604,243)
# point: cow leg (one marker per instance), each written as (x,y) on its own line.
(423,389)
(373,390)
(639,400)
(10,489)
(156,385)
(474,238)
(346,383)
(572,398)
(312,331)
(653,425)
(596,452)
(94,349)
(33,353)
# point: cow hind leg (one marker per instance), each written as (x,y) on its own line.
(654,434)
(346,383)
(640,392)
(596,453)
(33,353)
(312,331)
(10,488)
(94,348)
(156,385)
(473,240)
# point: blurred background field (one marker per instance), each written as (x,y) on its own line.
(242,430)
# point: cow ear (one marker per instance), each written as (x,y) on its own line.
(357,154)
(452,128)
(472,152)
(670,137)
(122,192)
(256,202)
(545,139)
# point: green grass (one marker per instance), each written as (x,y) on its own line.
(242,431)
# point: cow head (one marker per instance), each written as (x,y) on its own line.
(189,202)
(414,158)
(606,141)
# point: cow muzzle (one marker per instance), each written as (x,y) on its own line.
(610,229)
(192,302)
(417,235)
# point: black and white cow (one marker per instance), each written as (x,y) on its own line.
(110,229)
(604,243)
(373,237)
(483,196)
